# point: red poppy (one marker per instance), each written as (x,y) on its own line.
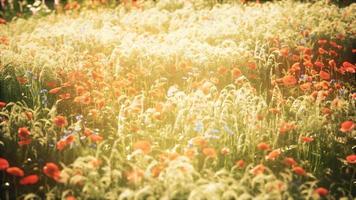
(324,75)
(307,139)
(209,152)
(259,169)
(29,180)
(52,171)
(321,191)
(289,80)
(70,197)
(2,21)
(347,126)
(286,127)
(4,164)
(273,154)
(322,51)
(55,90)
(263,146)
(319,64)
(143,145)
(240,163)
(15,171)
(348,67)
(23,133)
(306,86)
(222,70)
(284,52)
(299,170)
(235,73)
(2,104)
(95,138)
(25,141)
(61,144)
(351,159)
(60,121)
(290,161)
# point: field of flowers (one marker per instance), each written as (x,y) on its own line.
(176,99)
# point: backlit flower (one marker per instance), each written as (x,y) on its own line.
(4,164)
(299,170)
(347,126)
(351,159)
(60,121)
(259,169)
(263,146)
(289,80)
(23,133)
(29,180)
(273,154)
(51,170)
(142,145)
(321,191)
(290,161)
(209,152)
(15,171)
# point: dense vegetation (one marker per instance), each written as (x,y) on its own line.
(179,100)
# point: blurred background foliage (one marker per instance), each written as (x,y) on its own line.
(10,9)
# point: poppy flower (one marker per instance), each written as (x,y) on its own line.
(259,169)
(142,145)
(25,141)
(286,127)
(235,72)
(51,170)
(15,171)
(2,21)
(263,146)
(87,132)
(289,80)
(2,104)
(29,180)
(348,67)
(284,52)
(55,90)
(273,154)
(347,126)
(351,159)
(322,51)
(290,161)
(209,152)
(61,144)
(60,121)
(299,170)
(321,191)
(307,139)
(4,164)
(95,138)
(240,163)
(70,197)
(324,75)
(222,70)
(305,86)
(23,133)
(252,65)
(319,64)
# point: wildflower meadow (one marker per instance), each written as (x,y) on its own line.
(177,99)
